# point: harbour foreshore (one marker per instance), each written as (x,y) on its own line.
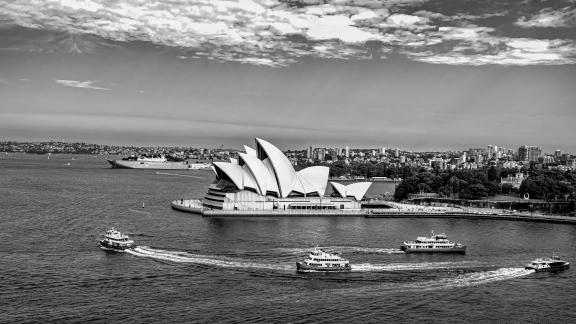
(473,215)
(398,211)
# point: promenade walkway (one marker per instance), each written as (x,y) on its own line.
(397,210)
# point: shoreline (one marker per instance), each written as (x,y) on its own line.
(195,207)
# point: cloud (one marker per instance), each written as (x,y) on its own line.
(88,84)
(277,33)
(509,51)
(565,17)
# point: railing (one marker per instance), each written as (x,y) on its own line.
(272,212)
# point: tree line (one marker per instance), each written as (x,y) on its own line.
(481,183)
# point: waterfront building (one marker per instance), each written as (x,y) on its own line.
(263,179)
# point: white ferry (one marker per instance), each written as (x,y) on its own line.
(157,163)
(116,241)
(548,264)
(320,260)
(434,244)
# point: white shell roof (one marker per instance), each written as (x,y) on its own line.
(233,171)
(249,150)
(315,179)
(258,170)
(356,190)
(285,174)
(272,174)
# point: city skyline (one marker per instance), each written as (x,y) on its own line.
(420,75)
(309,150)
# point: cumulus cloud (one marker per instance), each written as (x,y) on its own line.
(279,32)
(565,17)
(88,84)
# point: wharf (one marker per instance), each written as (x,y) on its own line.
(472,215)
(195,206)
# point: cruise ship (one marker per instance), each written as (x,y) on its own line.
(158,163)
(320,260)
(548,264)
(438,243)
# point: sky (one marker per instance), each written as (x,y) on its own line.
(415,74)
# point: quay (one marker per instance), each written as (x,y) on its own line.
(473,215)
(397,210)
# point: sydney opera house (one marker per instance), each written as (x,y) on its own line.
(263,179)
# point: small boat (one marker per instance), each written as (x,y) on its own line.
(551,264)
(320,260)
(116,241)
(434,244)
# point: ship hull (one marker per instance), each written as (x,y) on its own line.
(455,250)
(105,245)
(123,164)
(550,269)
(301,267)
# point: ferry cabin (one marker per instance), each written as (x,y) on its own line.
(422,245)
(322,259)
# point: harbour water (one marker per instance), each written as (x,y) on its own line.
(228,270)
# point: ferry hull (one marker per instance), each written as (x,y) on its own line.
(104,245)
(301,267)
(122,164)
(550,269)
(456,250)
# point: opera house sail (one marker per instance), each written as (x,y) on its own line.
(263,179)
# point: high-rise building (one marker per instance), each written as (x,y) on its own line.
(557,154)
(347,151)
(529,153)
(382,151)
(321,154)
(309,153)
(490,150)
(397,153)
(334,154)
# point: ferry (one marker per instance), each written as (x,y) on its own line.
(116,241)
(157,163)
(551,264)
(320,260)
(434,244)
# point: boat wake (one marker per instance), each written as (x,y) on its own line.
(471,279)
(228,262)
(468,279)
(179,175)
(367,267)
(345,249)
(217,261)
